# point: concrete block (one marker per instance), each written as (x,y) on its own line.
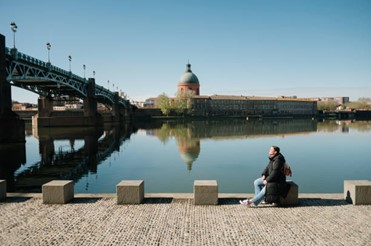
(2,189)
(357,192)
(292,197)
(130,192)
(58,191)
(205,192)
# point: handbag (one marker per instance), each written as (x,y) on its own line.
(287,169)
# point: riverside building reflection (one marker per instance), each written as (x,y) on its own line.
(189,135)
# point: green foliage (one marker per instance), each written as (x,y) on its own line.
(163,102)
(326,106)
(182,103)
(365,105)
(179,105)
(364,99)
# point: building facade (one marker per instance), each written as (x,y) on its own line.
(252,106)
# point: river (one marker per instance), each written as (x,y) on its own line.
(170,155)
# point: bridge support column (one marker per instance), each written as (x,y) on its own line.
(12,129)
(45,106)
(90,105)
(116,114)
(126,113)
(90,102)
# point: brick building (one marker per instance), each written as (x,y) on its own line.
(189,82)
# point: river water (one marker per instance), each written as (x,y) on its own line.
(169,156)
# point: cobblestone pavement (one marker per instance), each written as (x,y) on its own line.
(320,219)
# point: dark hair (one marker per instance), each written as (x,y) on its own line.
(276,148)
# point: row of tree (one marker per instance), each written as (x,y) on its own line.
(181,104)
(363,103)
(178,105)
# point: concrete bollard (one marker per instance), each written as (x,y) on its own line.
(357,192)
(58,191)
(292,197)
(205,192)
(2,190)
(130,192)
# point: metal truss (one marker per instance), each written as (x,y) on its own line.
(45,79)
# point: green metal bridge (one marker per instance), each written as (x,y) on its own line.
(43,78)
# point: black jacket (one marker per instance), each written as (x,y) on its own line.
(276,179)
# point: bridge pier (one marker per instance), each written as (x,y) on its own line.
(46,117)
(90,102)
(125,114)
(45,106)
(116,114)
(12,129)
(91,115)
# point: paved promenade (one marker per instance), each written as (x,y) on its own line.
(320,219)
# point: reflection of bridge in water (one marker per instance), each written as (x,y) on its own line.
(69,164)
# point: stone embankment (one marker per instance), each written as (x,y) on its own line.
(320,219)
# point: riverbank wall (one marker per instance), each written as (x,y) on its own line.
(141,114)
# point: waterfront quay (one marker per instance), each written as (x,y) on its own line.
(173,219)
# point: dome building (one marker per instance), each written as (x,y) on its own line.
(189,82)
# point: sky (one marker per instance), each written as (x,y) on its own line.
(303,48)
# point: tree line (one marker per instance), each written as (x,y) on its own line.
(363,103)
(178,105)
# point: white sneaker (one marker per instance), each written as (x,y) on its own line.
(252,205)
(244,202)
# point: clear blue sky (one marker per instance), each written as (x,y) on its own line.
(308,48)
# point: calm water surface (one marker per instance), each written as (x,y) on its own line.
(169,156)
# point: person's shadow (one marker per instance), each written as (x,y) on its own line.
(348,198)
(303,202)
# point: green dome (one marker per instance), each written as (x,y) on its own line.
(188,77)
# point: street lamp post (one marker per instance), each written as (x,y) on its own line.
(94,74)
(48,46)
(108,84)
(14,27)
(69,60)
(84,67)
(113,87)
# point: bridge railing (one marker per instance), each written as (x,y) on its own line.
(34,61)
